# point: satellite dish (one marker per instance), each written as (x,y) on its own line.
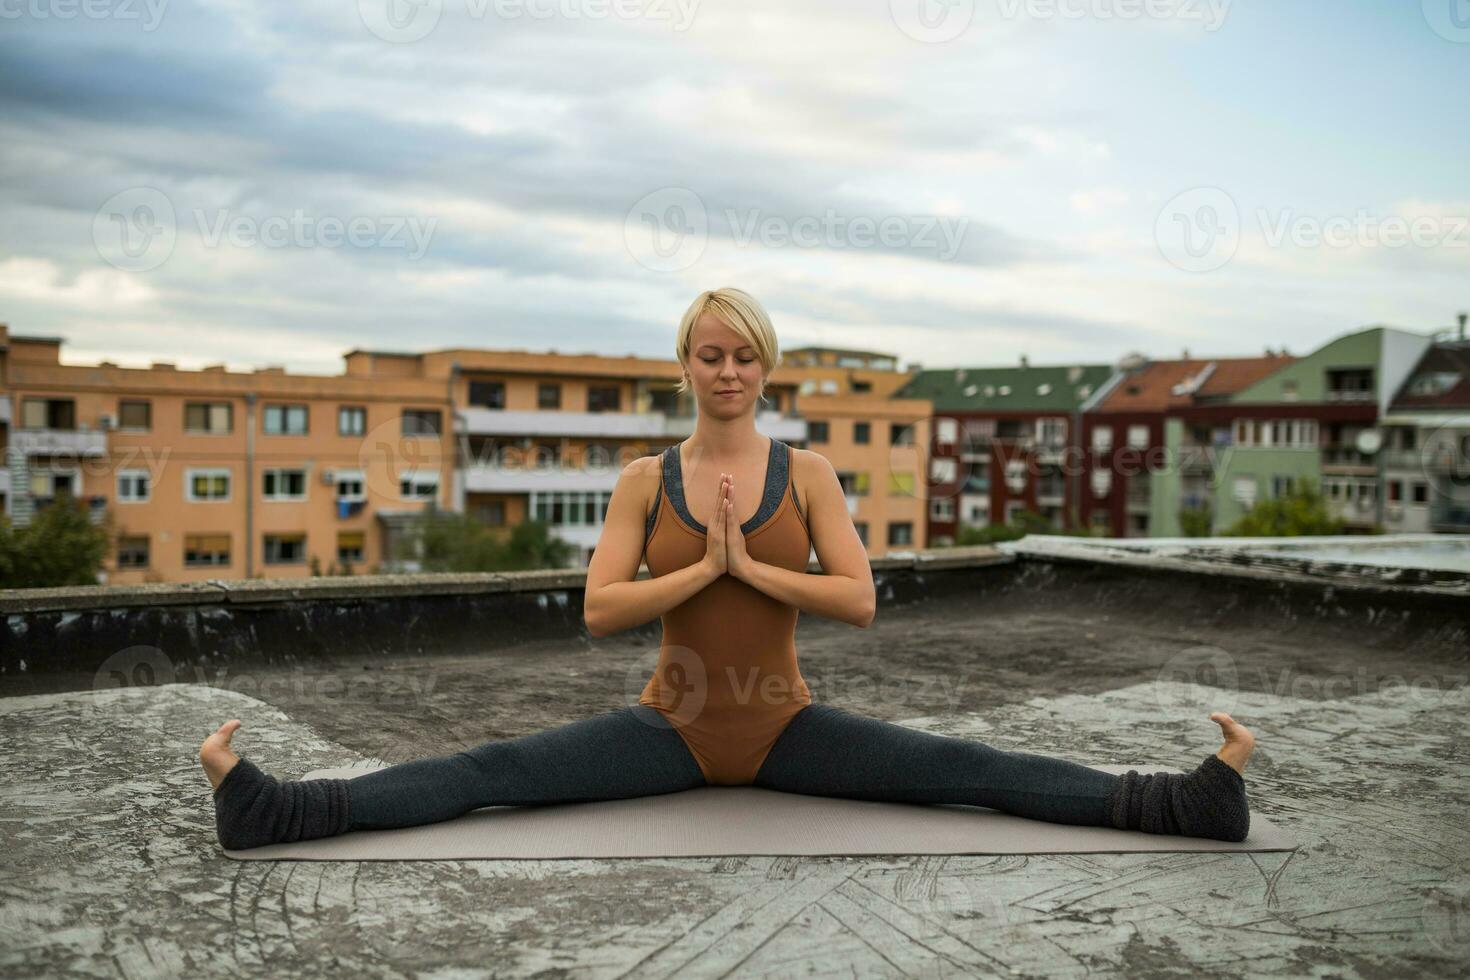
(1370,441)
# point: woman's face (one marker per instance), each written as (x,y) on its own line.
(720,360)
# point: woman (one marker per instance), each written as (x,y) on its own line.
(726,521)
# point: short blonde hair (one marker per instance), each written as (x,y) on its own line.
(741,313)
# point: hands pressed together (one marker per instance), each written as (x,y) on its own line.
(725,543)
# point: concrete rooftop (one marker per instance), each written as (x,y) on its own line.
(112,868)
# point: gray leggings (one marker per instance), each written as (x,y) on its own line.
(824,751)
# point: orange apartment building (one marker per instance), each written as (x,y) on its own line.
(217,474)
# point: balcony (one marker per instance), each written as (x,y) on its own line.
(1451,517)
(1139,501)
(59,442)
(1343,459)
(616,425)
(488,478)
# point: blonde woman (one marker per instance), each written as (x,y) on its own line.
(726,521)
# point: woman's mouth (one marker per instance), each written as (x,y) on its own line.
(727,393)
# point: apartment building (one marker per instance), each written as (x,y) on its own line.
(1424,449)
(876,441)
(1137,470)
(216,473)
(1001,441)
(226,474)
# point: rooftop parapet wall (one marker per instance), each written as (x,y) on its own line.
(292,621)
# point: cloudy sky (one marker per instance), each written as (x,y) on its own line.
(951,181)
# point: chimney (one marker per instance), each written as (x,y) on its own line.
(1024,362)
(1462,325)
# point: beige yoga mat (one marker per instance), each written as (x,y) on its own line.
(715,821)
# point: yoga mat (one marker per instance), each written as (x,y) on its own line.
(715,821)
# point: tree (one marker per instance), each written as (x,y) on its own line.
(447,541)
(60,546)
(1301,510)
(1195,522)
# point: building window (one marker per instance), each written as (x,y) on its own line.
(900,532)
(1051,432)
(285,549)
(571,507)
(208,418)
(942,470)
(207,485)
(862,433)
(1102,482)
(491,513)
(48,413)
(351,420)
(285,420)
(351,545)
(1288,390)
(1138,436)
(900,434)
(853,484)
(422,485)
(134,486)
(1102,438)
(862,530)
(134,415)
(1395,491)
(350,485)
(548,395)
(421,421)
(1244,490)
(1281,485)
(945,431)
(284,484)
(487,394)
(900,483)
(817,432)
(603,398)
(206,549)
(1421,493)
(941,509)
(132,551)
(1101,520)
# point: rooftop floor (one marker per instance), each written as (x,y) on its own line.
(112,866)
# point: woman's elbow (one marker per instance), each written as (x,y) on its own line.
(865,615)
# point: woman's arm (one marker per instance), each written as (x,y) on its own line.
(613,600)
(845,591)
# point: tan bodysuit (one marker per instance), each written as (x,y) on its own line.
(727,678)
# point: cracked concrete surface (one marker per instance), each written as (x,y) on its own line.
(112,868)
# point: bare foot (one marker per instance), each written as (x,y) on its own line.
(1239,742)
(215,755)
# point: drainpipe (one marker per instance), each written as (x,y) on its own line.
(456,473)
(249,484)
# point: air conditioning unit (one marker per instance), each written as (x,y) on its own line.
(329,477)
(107,422)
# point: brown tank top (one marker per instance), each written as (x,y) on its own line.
(727,678)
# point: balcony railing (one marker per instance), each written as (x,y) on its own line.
(1343,456)
(68,442)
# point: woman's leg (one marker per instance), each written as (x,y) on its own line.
(828,751)
(628,752)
